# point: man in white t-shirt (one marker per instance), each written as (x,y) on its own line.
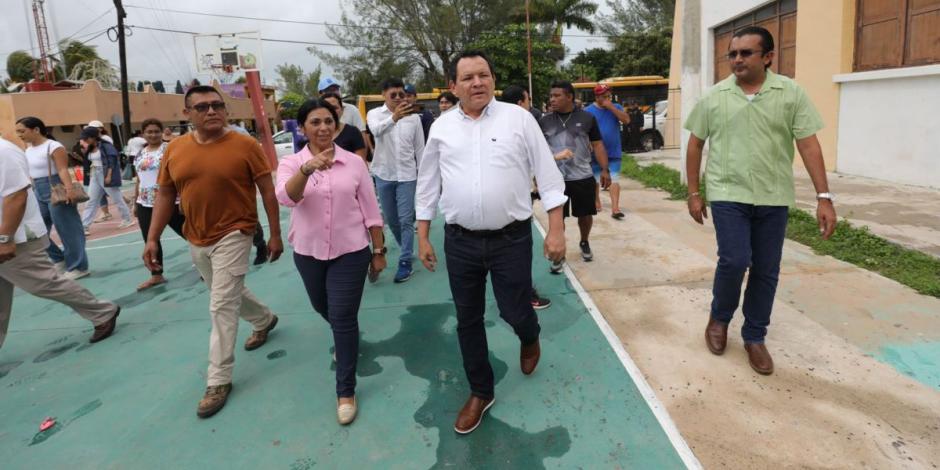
(23,259)
(134,146)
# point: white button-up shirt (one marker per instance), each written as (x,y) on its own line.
(398,145)
(480,170)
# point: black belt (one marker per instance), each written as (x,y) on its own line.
(491,233)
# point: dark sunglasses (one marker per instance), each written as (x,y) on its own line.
(397,95)
(744,53)
(204,107)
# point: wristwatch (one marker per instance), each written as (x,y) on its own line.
(831,197)
(4,239)
(380,252)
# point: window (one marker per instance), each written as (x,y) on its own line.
(779,18)
(284,138)
(896,33)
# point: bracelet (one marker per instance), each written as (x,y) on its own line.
(304,172)
(695,194)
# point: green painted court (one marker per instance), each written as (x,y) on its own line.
(130,401)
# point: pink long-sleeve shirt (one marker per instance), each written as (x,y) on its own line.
(337,208)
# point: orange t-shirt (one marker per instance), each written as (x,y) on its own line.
(216,184)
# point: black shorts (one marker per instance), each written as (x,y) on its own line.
(581,196)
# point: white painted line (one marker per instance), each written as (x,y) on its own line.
(662,415)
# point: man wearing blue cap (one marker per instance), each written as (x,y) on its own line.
(351,114)
(411,97)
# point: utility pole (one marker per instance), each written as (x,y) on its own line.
(122,54)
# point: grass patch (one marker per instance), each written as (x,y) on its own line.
(854,245)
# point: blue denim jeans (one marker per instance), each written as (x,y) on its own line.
(398,207)
(750,239)
(67,223)
(335,289)
(97,189)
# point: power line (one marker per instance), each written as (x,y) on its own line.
(313,23)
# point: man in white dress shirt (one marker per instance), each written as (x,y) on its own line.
(399,143)
(478,164)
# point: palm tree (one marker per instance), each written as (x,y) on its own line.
(559,14)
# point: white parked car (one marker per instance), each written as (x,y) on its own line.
(652,136)
(284,143)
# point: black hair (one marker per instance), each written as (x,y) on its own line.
(513,94)
(450,97)
(33,122)
(312,104)
(469,55)
(564,85)
(201,89)
(150,122)
(332,95)
(766,39)
(392,82)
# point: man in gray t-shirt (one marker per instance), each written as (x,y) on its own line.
(573,136)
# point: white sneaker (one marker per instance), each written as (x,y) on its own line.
(127,223)
(76,274)
(87,231)
(60,267)
(557,266)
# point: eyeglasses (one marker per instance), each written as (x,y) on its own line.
(744,53)
(216,106)
(395,95)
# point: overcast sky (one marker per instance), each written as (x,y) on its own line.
(154,55)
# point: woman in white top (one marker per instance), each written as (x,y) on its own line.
(147,165)
(48,165)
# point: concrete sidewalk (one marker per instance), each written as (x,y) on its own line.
(857,381)
(904,214)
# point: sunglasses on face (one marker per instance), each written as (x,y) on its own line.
(744,53)
(396,95)
(204,107)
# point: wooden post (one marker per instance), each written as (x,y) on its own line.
(253,85)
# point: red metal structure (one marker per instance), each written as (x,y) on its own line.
(253,86)
(43,72)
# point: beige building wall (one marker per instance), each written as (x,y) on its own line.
(825,46)
(91,102)
(673,129)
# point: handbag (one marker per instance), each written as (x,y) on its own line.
(58,194)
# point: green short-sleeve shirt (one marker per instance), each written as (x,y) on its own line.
(750,153)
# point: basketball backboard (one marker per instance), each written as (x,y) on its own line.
(223,55)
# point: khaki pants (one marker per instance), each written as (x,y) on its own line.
(223,266)
(32,271)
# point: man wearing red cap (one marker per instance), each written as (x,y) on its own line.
(609,116)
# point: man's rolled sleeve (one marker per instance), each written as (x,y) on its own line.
(547,176)
(697,122)
(806,119)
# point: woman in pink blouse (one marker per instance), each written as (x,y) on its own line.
(334,216)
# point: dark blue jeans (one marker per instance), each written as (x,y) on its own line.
(68,224)
(335,290)
(507,258)
(750,239)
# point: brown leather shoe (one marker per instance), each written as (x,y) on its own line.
(213,400)
(471,415)
(258,338)
(716,336)
(529,357)
(105,329)
(759,357)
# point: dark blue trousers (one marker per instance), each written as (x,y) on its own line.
(335,290)
(507,258)
(750,239)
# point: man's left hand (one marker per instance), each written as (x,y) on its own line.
(826,216)
(605,178)
(7,251)
(275,248)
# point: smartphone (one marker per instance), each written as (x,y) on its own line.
(417,108)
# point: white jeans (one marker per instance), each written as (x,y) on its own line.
(96,188)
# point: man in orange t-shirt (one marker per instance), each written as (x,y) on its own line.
(215,171)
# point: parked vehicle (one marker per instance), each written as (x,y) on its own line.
(654,123)
(284,143)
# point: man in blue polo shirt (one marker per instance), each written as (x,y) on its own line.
(609,116)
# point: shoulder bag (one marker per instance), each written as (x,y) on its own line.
(58,194)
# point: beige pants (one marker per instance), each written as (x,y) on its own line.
(223,266)
(33,271)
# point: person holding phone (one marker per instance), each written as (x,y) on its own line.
(411,96)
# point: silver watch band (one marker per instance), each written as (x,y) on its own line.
(828,196)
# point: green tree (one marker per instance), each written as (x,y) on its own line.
(642,53)
(290,103)
(423,35)
(74,53)
(506,48)
(592,64)
(367,80)
(636,15)
(20,66)
(559,14)
(295,80)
